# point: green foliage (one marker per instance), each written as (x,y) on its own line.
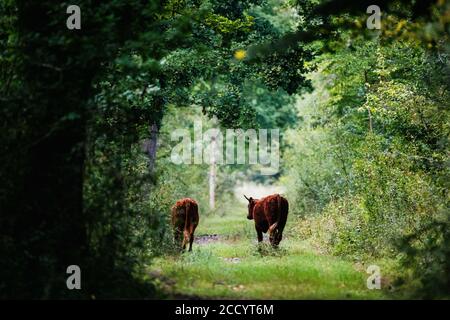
(427,253)
(367,168)
(366,153)
(46,81)
(224,25)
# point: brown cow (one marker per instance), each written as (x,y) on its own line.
(184,220)
(270,214)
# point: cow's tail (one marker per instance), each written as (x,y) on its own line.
(188,216)
(274,226)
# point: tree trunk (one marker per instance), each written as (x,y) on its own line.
(370,119)
(152,144)
(212,174)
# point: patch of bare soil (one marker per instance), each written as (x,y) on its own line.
(207,238)
(232,260)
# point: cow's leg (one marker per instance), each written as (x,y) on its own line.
(272,237)
(260,235)
(178,237)
(279,237)
(183,246)
(185,239)
(191,240)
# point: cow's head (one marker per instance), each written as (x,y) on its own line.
(251,205)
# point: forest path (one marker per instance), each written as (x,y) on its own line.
(226,262)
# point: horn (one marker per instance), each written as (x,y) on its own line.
(246,197)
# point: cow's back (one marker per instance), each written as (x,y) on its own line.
(276,209)
(185,213)
(185,219)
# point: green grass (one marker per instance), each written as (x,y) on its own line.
(293,271)
(231,225)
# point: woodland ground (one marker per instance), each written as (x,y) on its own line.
(227,263)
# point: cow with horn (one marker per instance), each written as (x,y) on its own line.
(270,214)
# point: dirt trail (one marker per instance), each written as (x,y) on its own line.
(206,238)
